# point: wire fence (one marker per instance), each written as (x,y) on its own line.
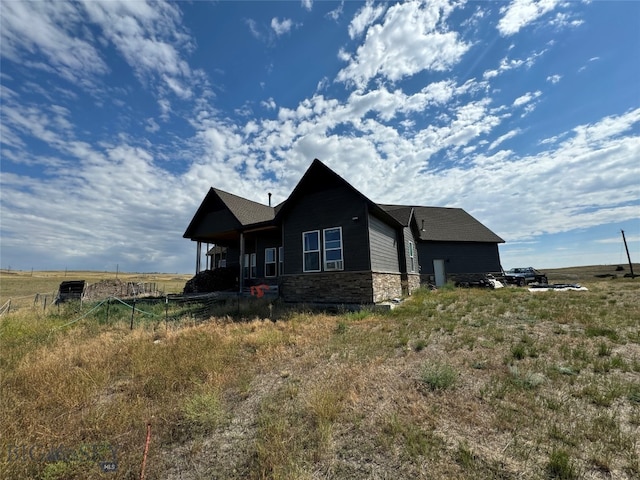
(170,309)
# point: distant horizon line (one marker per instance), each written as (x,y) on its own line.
(118,272)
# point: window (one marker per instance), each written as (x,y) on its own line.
(245,266)
(280,260)
(412,264)
(311,251)
(269,262)
(253,265)
(333,249)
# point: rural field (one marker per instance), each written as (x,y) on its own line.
(451,384)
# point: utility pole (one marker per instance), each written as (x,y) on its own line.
(628,256)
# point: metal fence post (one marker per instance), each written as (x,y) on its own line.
(133,310)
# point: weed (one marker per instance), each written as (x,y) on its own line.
(634,393)
(528,380)
(559,466)
(341,327)
(479,364)
(438,376)
(419,345)
(417,442)
(518,351)
(465,456)
(203,410)
(564,370)
(604,350)
(599,331)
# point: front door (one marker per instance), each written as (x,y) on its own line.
(438,269)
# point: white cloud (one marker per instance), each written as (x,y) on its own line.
(618,239)
(147,35)
(591,60)
(253,28)
(336,13)
(526,98)
(513,64)
(307,4)
(49,29)
(503,138)
(563,20)
(365,17)
(554,78)
(269,103)
(281,27)
(408,41)
(149,38)
(151,125)
(520,13)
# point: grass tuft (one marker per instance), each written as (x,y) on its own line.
(438,376)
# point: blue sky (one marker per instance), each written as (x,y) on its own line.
(117,117)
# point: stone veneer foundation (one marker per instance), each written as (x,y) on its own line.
(343,287)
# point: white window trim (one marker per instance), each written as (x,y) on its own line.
(324,253)
(304,252)
(280,260)
(274,263)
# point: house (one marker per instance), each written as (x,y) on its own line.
(328,243)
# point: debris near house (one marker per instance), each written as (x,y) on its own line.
(558,287)
(70,290)
(477,280)
(218,280)
(118,288)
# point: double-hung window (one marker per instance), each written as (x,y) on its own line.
(311,251)
(331,245)
(280,260)
(253,266)
(270,262)
(333,248)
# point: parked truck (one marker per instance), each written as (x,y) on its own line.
(522,276)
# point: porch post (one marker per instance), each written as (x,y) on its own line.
(241,279)
(198,255)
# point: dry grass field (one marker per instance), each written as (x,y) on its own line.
(22,286)
(453,384)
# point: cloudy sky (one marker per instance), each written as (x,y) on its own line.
(118,116)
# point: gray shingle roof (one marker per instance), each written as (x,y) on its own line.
(246,211)
(443,224)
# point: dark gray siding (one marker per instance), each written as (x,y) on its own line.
(233,256)
(333,207)
(408,237)
(460,257)
(215,222)
(384,246)
(257,243)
